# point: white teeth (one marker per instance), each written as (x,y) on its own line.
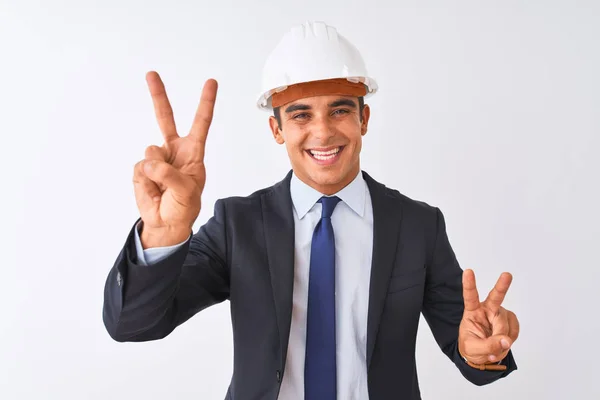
(326,154)
(323,158)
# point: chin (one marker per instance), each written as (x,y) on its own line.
(326,178)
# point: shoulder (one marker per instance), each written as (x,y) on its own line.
(253,201)
(422,222)
(411,204)
(411,207)
(240,201)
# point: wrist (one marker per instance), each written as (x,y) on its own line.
(162,237)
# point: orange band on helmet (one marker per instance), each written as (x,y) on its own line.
(341,87)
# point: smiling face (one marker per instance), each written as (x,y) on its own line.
(323,138)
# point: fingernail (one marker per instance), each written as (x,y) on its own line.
(492,357)
(505,344)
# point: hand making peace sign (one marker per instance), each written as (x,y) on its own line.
(169,181)
(487,330)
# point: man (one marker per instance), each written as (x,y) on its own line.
(326,272)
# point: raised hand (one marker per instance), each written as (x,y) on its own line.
(169,181)
(487,330)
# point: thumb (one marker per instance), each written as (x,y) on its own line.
(165,174)
(494,345)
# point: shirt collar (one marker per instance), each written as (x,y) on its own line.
(304,197)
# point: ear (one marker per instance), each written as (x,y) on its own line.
(366,114)
(277,134)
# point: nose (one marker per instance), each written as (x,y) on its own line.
(322,129)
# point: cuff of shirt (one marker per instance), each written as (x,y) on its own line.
(155,254)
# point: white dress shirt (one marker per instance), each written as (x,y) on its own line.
(352,222)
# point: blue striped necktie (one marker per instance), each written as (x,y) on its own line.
(320,366)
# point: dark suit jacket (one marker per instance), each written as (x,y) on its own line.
(245,254)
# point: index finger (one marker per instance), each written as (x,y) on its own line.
(497,294)
(204,113)
(470,294)
(162,106)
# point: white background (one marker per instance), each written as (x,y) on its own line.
(487,109)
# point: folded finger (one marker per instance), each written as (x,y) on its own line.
(147,193)
(500,323)
(513,324)
(165,174)
(159,154)
(156,153)
(496,346)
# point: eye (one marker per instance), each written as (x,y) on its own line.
(300,116)
(340,111)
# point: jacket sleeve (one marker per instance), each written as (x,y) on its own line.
(443,306)
(143,303)
(152,255)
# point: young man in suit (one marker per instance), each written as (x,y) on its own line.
(326,272)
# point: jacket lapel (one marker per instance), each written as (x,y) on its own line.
(387,214)
(278,222)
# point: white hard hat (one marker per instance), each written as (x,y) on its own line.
(310,52)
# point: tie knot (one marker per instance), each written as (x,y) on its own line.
(329,204)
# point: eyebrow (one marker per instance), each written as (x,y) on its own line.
(297,107)
(343,102)
(305,107)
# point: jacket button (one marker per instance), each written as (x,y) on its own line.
(278,374)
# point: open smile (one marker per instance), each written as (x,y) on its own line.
(326,156)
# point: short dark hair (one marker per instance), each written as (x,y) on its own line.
(277,111)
